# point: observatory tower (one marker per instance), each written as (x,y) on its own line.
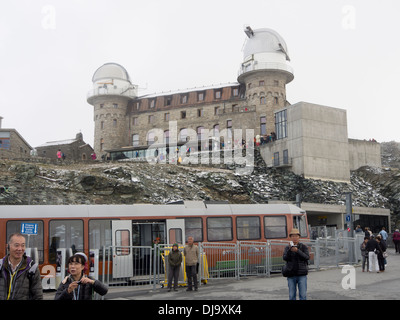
(265,71)
(111,93)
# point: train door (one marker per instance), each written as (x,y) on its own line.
(122,248)
(176,231)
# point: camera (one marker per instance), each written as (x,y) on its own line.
(292,244)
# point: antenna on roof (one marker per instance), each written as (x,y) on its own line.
(249,31)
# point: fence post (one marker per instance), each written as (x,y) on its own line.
(152,257)
(317,254)
(237,262)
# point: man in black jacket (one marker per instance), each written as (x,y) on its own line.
(373,249)
(296,256)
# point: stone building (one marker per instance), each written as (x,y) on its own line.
(122,118)
(12,144)
(73,149)
(309,139)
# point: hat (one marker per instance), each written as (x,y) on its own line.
(294,231)
(175,245)
(83,255)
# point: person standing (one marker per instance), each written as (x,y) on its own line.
(19,274)
(383,234)
(77,286)
(174,265)
(296,256)
(372,248)
(191,253)
(396,240)
(381,258)
(364,253)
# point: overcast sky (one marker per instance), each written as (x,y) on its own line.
(344,55)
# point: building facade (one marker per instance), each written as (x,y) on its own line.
(73,149)
(12,144)
(123,119)
(309,139)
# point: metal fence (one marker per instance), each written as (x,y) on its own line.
(145,265)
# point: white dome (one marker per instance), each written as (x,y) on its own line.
(264,41)
(111,71)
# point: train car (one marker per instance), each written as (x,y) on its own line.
(51,229)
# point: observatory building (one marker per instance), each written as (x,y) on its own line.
(309,139)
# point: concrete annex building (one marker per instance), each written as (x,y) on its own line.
(311,140)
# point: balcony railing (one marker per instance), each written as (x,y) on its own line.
(255,65)
(129,91)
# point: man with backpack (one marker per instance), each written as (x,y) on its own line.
(19,274)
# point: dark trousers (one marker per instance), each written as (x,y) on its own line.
(173,274)
(397,245)
(191,275)
(381,263)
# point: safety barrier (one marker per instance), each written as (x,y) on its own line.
(148,265)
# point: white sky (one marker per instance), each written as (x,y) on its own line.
(344,54)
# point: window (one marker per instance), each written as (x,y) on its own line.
(122,240)
(276,83)
(99,234)
(151,118)
(135,121)
(286,156)
(66,234)
(216,111)
(276,159)
(218,94)
(152,103)
(219,229)
(261,83)
(200,113)
(235,92)
(166,116)
(101,144)
(166,137)
(183,134)
(263,126)
(184,98)
(200,96)
(216,130)
(114,123)
(183,114)
(276,100)
(35,241)
(102,125)
(115,105)
(150,137)
(281,124)
(263,100)
(248,228)
(194,228)
(101,105)
(275,227)
(299,222)
(135,139)
(200,134)
(168,101)
(229,127)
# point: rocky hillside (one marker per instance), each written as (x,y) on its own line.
(129,182)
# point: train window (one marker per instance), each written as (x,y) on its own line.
(219,229)
(122,240)
(100,234)
(31,241)
(275,227)
(65,234)
(194,228)
(248,228)
(299,222)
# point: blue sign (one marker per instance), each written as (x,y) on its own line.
(348,218)
(29,228)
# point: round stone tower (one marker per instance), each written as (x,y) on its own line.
(111,93)
(265,71)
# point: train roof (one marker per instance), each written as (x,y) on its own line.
(188,208)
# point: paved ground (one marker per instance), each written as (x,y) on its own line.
(322,285)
